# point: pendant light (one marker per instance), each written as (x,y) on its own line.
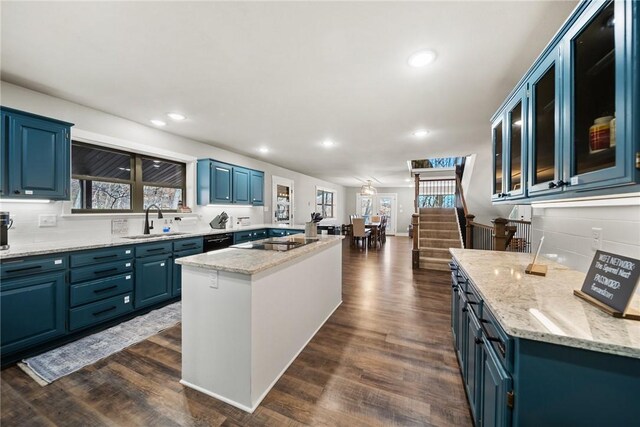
(367,189)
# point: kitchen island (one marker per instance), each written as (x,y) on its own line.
(532,353)
(248,313)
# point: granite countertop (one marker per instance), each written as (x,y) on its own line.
(522,302)
(252,261)
(82,242)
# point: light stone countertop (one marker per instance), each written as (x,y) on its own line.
(253,261)
(84,242)
(511,295)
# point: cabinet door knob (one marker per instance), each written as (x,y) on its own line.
(562,183)
(478,340)
(552,184)
(16,192)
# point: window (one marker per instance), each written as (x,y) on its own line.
(325,202)
(108,180)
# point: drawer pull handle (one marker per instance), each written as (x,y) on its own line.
(105,256)
(16,270)
(101,312)
(188,245)
(108,270)
(97,291)
(155,249)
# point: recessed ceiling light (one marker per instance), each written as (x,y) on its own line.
(158,122)
(328,143)
(156,161)
(176,116)
(422,58)
(263,149)
(518,123)
(156,166)
(421,133)
(408,180)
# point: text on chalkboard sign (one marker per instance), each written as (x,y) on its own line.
(612,279)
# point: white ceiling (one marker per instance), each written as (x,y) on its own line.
(288,75)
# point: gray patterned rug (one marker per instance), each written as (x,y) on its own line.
(52,365)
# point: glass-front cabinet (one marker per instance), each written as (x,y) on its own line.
(498,158)
(580,118)
(595,95)
(545,153)
(508,137)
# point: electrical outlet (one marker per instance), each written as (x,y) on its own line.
(47,220)
(596,238)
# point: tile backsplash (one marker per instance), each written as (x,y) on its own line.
(26,216)
(568,231)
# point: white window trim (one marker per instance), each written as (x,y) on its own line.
(335,202)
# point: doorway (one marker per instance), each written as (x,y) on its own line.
(282,200)
(379,204)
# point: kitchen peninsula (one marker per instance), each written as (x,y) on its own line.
(531,353)
(247,314)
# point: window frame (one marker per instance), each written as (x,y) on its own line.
(136,182)
(333,201)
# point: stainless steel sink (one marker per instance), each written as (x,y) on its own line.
(152,236)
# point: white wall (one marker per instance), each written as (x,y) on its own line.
(115,131)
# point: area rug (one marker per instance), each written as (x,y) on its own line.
(52,365)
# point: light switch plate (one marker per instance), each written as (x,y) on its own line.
(47,220)
(596,238)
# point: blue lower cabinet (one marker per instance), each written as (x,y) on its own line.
(97,271)
(153,280)
(95,290)
(274,232)
(249,235)
(32,310)
(495,388)
(98,312)
(176,286)
(472,363)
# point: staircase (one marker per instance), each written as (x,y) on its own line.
(438,232)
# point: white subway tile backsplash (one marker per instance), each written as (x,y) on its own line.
(567,232)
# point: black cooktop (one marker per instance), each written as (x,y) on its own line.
(277,243)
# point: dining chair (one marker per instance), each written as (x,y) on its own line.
(360,233)
(375,218)
(383,230)
(347,230)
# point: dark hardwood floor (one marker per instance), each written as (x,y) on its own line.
(385,357)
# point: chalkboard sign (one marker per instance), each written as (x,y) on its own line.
(612,279)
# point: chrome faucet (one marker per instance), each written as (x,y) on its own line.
(147,228)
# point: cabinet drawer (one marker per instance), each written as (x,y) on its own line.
(187,244)
(101,270)
(277,233)
(100,289)
(103,255)
(100,311)
(154,249)
(26,266)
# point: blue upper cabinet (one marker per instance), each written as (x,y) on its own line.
(544,140)
(257,188)
(222,183)
(4,126)
(509,149)
(582,108)
(241,185)
(37,152)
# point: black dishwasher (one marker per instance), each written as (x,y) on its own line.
(217,241)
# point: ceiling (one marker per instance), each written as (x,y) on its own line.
(288,75)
